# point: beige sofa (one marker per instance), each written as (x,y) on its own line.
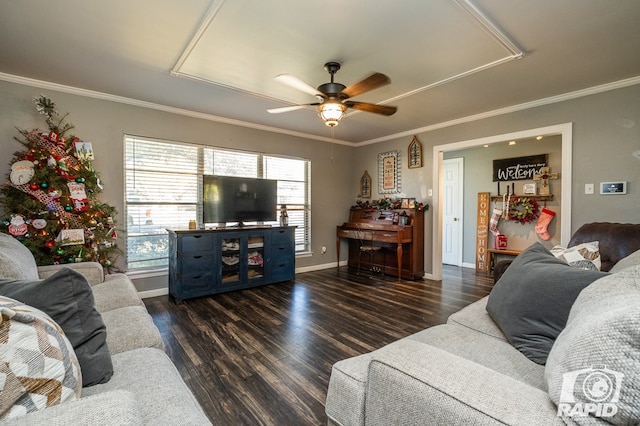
(145,388)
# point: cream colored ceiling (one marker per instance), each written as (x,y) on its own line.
(447,59)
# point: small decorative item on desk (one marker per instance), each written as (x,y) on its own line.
(284,216)
(192,224)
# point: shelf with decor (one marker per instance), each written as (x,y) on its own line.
(531,197)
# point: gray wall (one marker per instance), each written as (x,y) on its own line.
(606,131)
(104,123)
(605,134)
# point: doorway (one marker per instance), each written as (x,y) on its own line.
(452,208)
(566,132)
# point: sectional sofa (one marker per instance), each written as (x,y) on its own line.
(122,375)
(551,344)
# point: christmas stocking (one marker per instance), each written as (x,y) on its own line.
(546,216)
(493,222)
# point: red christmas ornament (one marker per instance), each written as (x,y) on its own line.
(50,244)
(53,137)
(33,186)
(18,227)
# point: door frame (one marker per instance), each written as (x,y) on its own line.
(565,130)
(460,161)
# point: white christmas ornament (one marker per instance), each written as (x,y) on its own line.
(21,172)
(39,223)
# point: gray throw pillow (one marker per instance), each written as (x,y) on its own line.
(595,361)
(632,260)
(531,301)
(68,299)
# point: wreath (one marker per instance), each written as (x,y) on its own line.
(523,210)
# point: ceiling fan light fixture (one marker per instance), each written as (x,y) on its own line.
(331,112)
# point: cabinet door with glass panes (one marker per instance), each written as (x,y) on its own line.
(242,259)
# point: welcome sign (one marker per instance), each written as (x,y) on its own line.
(518,168)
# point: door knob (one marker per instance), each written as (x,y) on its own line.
(455,219)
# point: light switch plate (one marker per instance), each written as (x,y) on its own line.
(588,188)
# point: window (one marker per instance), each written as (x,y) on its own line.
(163,189)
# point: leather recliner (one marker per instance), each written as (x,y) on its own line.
(616,241)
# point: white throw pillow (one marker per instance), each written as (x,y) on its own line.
(583,256)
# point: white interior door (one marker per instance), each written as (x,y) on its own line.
(453,181)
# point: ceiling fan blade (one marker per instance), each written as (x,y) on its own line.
(296,83)
(372,82)
(376,109)
(289,108)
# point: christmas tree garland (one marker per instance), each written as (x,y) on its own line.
(51,196)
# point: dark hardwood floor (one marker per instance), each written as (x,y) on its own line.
(263,356)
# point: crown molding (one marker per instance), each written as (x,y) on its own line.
(159,107)
(514,108)
(193,114)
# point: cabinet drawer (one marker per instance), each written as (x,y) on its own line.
(282,236)
(281,250)
(282,269)
(194,282)
(195,262)
(195,242)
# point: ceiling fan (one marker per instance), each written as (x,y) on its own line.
(333,97)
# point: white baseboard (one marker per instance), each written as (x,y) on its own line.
(154,293)
(320,267)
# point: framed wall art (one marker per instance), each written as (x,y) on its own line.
(389,172)
(415,153)
(365,185)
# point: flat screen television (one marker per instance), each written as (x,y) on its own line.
(238,199)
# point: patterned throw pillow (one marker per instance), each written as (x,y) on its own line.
(38,368)
(583,256)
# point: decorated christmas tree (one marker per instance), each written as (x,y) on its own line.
(50,199)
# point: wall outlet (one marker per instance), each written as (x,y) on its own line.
(323,250)
(588,188)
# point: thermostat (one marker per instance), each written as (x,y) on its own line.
(613,187)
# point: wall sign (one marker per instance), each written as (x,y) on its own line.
(415,153)
(518,168)
(482,231)
(389,172)
(365,185)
